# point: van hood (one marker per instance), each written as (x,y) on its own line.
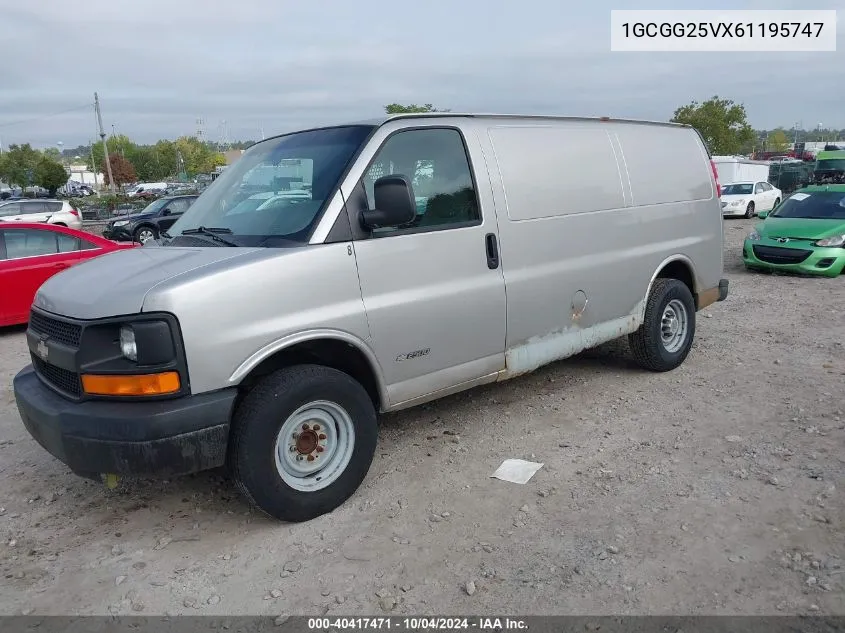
(116,284)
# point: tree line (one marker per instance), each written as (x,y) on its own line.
(24,166)
(187,156)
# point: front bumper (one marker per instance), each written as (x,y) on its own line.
(118,234)
(734,212)
(166,437)
(774,256)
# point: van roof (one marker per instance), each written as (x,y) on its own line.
(430,115)
(493,115)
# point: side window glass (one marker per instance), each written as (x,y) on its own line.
(8,210)
(29,243)
(54,207)
(67,243)
(435,162)
(178,206)
(758,188)
(32,207)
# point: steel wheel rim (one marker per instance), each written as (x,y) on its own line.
(674,325)
(145,235)
(322,431)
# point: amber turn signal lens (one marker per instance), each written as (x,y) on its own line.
(133,385)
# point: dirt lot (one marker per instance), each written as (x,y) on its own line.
(713,489)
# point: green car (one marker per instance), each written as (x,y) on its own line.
(804,234)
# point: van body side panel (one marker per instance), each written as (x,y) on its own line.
(579,249)
(229,317)
(436,312)
(681,193)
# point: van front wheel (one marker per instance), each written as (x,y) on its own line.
(302,441)
(664,339)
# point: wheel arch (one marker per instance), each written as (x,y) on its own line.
(330,348)
(677,266)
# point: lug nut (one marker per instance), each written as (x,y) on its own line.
(292,448)
(322,436)
(296,436)
(310,458)
(320,449)
(299,458)
(316,427)
(305,427)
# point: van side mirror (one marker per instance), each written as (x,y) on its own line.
(166,211)
(394,203)
(763,215)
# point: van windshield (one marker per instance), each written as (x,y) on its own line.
(275,193)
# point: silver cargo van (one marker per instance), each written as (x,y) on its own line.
(421,255)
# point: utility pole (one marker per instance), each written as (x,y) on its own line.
(94,168)
(105,145)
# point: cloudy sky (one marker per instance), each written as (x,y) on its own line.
(159,65)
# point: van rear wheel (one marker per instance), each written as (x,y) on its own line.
(664,339)
(302,441)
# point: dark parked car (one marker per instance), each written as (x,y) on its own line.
(153,220)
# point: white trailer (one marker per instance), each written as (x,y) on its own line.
(736,169)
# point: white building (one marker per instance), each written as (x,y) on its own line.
(83,175)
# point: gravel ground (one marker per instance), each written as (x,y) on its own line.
(713,489)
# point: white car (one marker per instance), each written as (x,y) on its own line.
(58,212)
(747,199)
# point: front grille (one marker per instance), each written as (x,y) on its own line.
(61,331)
(778,255)
(61,379)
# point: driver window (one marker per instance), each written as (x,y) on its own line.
(759,188)
(435,162)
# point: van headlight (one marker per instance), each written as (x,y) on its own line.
(754,236)
(121,223)
(835,240)
(127,343)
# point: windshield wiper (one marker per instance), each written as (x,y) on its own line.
(212,232)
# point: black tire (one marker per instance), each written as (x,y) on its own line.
(258,421)
(136,236)
(646,343)
(749,210)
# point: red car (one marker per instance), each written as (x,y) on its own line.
(31,253)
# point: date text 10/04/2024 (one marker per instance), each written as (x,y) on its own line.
(419,623)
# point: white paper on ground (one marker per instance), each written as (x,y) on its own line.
(517,471)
